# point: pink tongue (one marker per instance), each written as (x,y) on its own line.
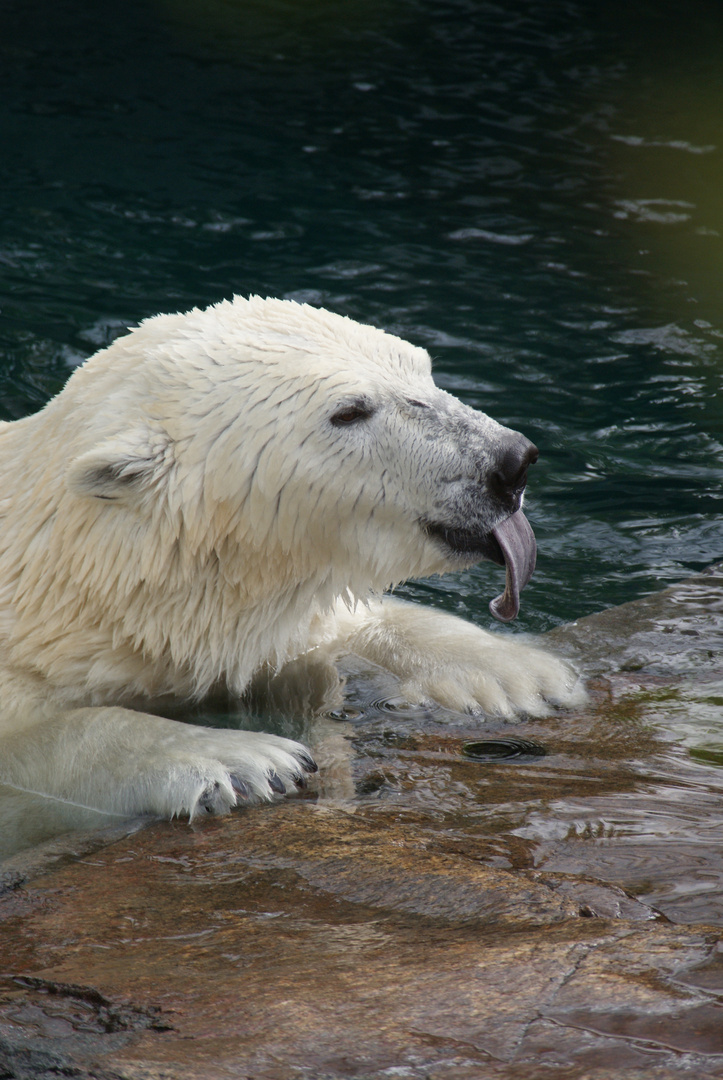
(517,541)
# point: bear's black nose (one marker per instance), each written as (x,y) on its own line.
(510,476)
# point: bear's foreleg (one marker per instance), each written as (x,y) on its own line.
(126,762)
(442,658)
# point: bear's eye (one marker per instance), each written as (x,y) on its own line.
(350,414)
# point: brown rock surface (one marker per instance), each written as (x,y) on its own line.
(301,941)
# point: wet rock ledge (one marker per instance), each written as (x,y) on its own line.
(341,941)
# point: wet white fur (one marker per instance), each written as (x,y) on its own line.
(185,513)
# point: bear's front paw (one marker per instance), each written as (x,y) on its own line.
(503,679)
(442,658)
(232,768)
(214,799)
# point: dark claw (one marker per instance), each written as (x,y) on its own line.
(299,780)
(276,783)
(307,762)
(240,787)
(208,799)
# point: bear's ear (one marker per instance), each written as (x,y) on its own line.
(116,470)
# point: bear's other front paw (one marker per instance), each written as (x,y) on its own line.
(214,798)
(233,768)
(504,680)
(442,658)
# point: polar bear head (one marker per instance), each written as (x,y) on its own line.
(246,464)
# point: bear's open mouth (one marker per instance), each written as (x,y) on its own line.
(510,544)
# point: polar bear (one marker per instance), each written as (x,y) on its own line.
(221,492)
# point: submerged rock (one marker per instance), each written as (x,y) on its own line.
(673,633)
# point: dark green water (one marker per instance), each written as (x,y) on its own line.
(536,195)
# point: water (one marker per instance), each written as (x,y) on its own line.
(534,195)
